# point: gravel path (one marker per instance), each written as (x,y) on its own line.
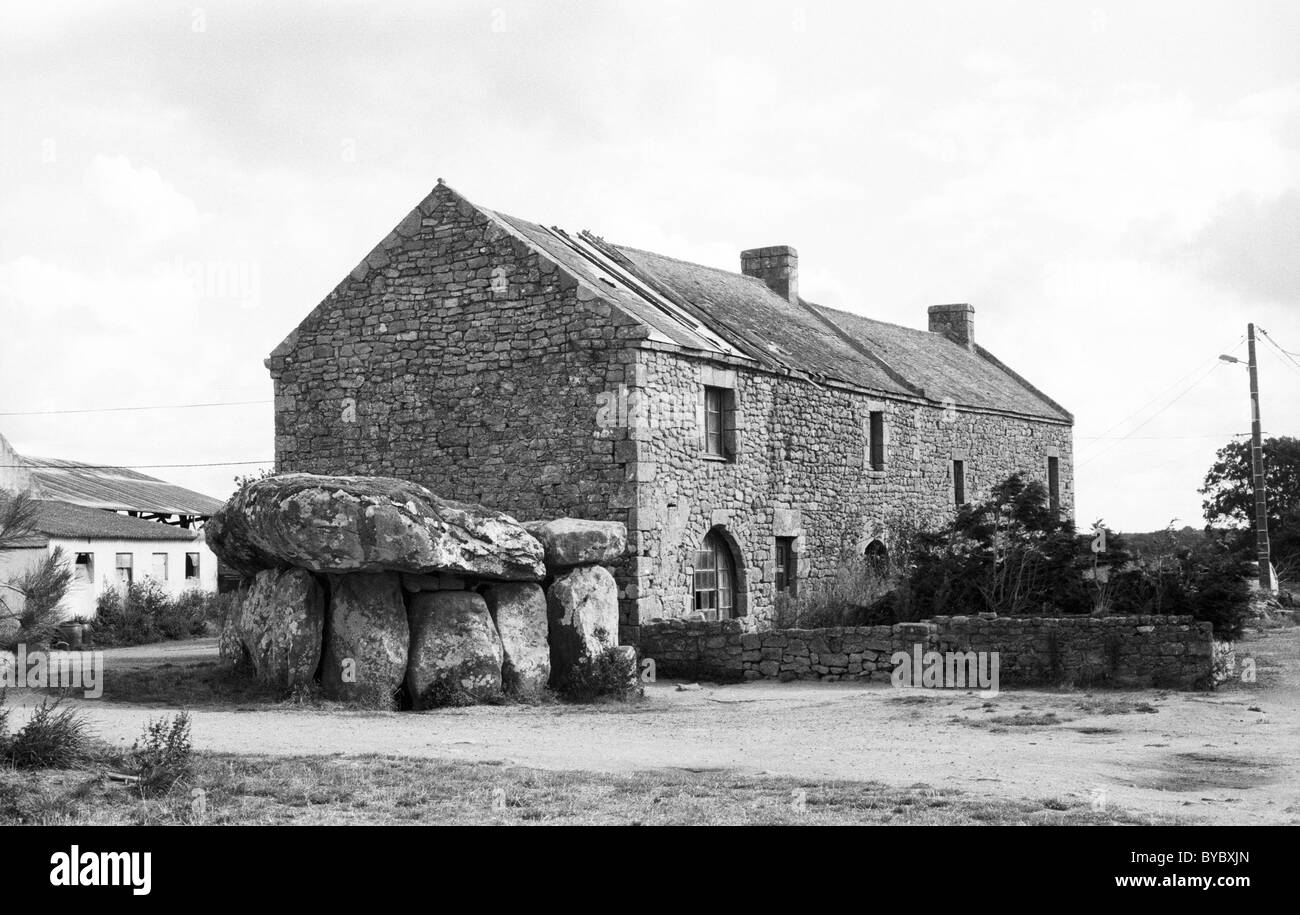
(1224,757)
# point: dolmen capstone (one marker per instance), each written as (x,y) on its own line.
(376,587)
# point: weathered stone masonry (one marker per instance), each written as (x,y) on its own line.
(1171,651)
(801,470)
(462,355)
(454,357)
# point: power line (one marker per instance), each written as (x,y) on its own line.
(1212,362)
(1148,420)
(1275,343)
(1157,438)
(1290,357)
(174,406)
(73,466)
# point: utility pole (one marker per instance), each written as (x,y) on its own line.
(1257,472)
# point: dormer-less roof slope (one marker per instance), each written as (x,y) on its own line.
(114,488)
(62,519)
(97,486)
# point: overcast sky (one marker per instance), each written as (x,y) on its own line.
(1114,187)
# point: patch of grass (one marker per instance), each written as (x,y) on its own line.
(1105,706)
(256,790)
(1018,720)
(191,685)
(52,738)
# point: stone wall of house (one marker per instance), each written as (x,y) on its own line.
(1172,651)
(456,357)
(800,469)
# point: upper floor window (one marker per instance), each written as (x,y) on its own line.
(876,439)
(1054,483)
(715,578)
(719,414)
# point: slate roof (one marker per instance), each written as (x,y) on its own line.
(114,488)
(63,519)
(714,310)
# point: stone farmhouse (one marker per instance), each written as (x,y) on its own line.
(748,438)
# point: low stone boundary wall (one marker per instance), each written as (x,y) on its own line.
(1169,651)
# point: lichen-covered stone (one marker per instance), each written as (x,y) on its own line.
(582,608)
(370,524)
(228,536)
(278,622)
(367,639)
(519,611)
(576,542)
(455,654)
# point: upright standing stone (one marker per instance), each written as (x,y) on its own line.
(455,651)
(368,638)
(519,611)
(280,623)
(582,607)
(230,646)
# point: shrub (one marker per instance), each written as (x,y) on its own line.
(854,596)
(53,738)
(144,612)
(1207,580)
(40,590)
(612,674)
(1009,554)
(162,756)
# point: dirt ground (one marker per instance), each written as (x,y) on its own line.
(1228,757)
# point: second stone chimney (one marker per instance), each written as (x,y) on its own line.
(956,322)
(778,266)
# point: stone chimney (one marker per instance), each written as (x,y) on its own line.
(778,266)
(956,322)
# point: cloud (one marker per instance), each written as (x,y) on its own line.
(142,200)
(1250,247)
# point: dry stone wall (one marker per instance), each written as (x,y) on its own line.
(1168,651)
